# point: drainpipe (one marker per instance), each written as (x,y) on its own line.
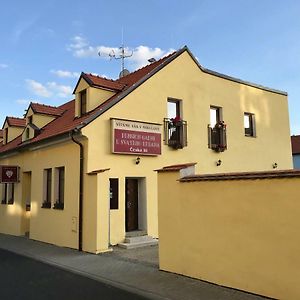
(80,189)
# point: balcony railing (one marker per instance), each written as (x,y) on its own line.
(175,133)
(217,140)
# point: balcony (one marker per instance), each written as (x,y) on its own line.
(217,140)
(175,133)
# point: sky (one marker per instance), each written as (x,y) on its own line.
(45,45)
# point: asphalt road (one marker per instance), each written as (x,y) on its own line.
(22,278)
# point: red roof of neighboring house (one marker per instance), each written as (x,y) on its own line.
(102,82)
(295,144)
(16,122)
(46,109)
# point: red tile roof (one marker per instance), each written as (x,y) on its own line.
(295,144)
(46,109)
(242,175)
(16,122)
(133,77)
(175,168)
(102,82)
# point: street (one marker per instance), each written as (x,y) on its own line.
(22,278)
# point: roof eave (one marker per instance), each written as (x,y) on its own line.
(237,80)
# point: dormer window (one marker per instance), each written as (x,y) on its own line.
(82,102)
(30,120)
(5,135)
(27,133)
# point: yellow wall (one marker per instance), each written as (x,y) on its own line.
(95,96)
(241,234)
(183,80)
(13,132)
(48,225)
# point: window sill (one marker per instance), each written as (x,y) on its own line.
(250,136)
(10,202)
(58,205)
(46,205)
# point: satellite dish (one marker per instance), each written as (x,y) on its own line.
(124,73)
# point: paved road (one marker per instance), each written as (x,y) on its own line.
(22,278)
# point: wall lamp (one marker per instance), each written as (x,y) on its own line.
(138,160)
(218,162)
(274,165)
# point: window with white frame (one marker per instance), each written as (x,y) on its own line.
(249,124)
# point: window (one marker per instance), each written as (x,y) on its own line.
(4,193)
(175,127)
(82,102)
(249,124)
(11,193)
(30,120)
(5,135)
(217,139)
(215,115)
(27,133)
(47,188)
(174,108)
(114,193)
(60,188)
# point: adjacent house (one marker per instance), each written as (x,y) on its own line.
(80,175)
(295,139)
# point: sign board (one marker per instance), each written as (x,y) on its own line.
(9,174)
(133,137)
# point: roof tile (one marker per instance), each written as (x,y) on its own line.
(46,109)
(103,82)
(16,122)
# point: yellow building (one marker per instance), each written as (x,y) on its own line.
(85,169)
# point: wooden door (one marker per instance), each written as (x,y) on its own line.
(131,199)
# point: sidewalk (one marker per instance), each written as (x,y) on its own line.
(133,270)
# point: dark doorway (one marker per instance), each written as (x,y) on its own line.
(131,199)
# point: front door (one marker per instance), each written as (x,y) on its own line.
(132,197)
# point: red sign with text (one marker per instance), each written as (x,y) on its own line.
(9,174)
(131,137)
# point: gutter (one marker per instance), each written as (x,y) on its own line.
(80,211)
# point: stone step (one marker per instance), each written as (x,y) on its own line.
(138,239)
(136,233)
(140,244)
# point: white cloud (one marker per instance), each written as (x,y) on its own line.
(50,89)
(65,74)
(141,54)
(38,89)
(3,66)
(78,42)
(62,91)
(82,49)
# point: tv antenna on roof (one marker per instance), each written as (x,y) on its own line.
(121,54)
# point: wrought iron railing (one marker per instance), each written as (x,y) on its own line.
(175,133)
(217,139)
